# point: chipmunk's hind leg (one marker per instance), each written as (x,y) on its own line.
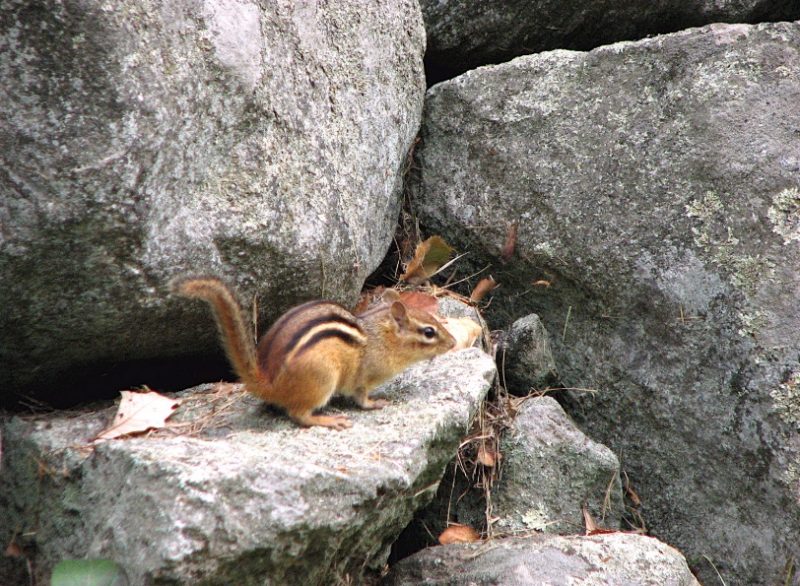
(306,388)
(307,419)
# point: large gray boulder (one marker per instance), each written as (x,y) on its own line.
(600,560)
(140,140)
(657,188)
(237,494)
(463,34)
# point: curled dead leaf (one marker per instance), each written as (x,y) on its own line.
(510,244)
(138,412)
(592,528)
(459,534)
(13,550)
(463,329)
(487,455)
(482,288)
(588,521)
(542,283)
(429,257)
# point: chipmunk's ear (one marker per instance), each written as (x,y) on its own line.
(400,315)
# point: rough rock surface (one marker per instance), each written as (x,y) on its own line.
(242,495)
(607,560)
(656,187)
(140,140)
(463,34)
(526,359)
(550,469)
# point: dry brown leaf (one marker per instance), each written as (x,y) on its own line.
(511,243)
(463,329)
(588,521)
(429,257)
(487,455)
(482,288)
(138,412)
(14,550)
(421,301)
(459,534)
(542,283)
(592,528)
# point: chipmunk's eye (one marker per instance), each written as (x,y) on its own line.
(428,332)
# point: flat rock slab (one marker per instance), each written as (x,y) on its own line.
(615,558)
(235,493)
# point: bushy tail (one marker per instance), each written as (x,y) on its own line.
(236,340)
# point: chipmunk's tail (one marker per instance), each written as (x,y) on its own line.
(236,339)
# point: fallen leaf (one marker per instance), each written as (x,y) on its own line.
(463,329)
(588,520)
(14,550)
(421,301)
(459,534)
(542,283)
(487,455)
(482,288)
(511,243)
(592,528)
(429,257)
(138,412)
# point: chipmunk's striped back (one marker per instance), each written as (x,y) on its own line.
(303,328)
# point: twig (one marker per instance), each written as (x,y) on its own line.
(607,497)
(708,559)
(468,277)
(447,264)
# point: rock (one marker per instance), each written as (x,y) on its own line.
(550,469)
(237,495)
(527,361)
(655,185)
(465,34)
(615,558)
(263,142)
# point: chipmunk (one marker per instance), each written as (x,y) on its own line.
(319,349)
